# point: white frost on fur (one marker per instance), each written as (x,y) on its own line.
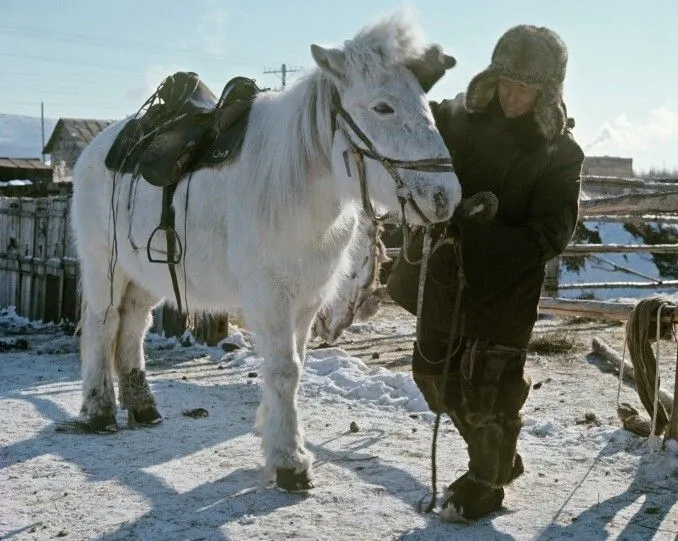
(270,233)
(360,294)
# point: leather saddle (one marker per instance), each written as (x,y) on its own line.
(184,128)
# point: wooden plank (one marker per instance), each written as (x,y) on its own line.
(665,284)
(56,238)
(26,236)
(4,226)
(25,288)
(666,201)
(69,241)
(5,276)
(26,242)
(9,275)
(56,228)
(39,289)
(572,249)
(12,208)
(632,218)
(609,310)
(621,248)
(625,182)
(41,221)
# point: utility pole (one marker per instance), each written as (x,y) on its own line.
(42,124)
(284,70)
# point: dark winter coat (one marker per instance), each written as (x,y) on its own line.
(537,183)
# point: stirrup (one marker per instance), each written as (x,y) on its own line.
(177,256)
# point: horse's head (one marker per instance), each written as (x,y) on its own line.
(384,124)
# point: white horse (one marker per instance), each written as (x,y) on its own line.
(270,232)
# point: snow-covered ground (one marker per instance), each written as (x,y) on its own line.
(202,478)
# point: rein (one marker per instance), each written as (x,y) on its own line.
(455,329)
(404,195)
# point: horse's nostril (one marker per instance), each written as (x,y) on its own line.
(441,203)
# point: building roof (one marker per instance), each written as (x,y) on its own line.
(23,163)
(82,130)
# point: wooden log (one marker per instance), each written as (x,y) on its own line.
(625,182)
(591,248)
(612,311)
(634,218)
(670,284)
(608,354)
(666,201)
(621,248)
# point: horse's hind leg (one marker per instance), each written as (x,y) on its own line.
(130,364)
(99,328)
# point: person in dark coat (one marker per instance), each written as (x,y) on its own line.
(508,134)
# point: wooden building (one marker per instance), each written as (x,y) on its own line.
(24,177)
(608,166)
(69,138)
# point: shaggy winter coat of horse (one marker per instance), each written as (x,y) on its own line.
(272,232)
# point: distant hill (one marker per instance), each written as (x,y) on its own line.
(21,136)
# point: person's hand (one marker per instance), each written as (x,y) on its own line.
(480,208)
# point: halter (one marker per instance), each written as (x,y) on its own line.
(404,195)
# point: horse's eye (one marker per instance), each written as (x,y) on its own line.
(383,108)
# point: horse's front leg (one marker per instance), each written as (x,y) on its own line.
(303,321)
(277,419)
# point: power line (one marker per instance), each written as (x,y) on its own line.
(137,46)
(72,62)
(284,70)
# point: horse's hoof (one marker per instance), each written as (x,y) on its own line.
(103,424)
(290,481)
(146,416)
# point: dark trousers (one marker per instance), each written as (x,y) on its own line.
(485,389)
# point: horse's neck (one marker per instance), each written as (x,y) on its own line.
(291,149)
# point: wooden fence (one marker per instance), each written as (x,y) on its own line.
(623,200)
(648,205)
(39,269)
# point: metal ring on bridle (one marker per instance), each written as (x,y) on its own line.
(404,196)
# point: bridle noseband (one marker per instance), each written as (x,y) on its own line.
(404,195)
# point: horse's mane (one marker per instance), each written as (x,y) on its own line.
(389,41)
(291,135)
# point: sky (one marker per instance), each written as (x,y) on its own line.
(103,59)
(202,478)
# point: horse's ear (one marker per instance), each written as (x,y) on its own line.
(331,61)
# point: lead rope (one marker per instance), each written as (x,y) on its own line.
(455,326)
(655,405)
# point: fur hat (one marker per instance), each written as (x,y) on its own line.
(531,55)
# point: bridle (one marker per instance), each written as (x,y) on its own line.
(403,193)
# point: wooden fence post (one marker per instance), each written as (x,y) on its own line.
(550,286)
